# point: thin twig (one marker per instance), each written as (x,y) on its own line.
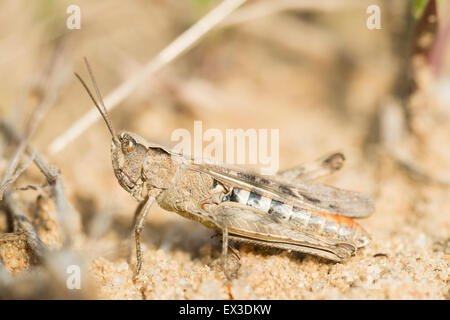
(168,54)
(31,187)
(18,172)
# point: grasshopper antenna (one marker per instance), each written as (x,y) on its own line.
(102,111)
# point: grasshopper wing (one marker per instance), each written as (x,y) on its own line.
(305,194)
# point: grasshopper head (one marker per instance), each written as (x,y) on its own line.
(128,156)
(127,153)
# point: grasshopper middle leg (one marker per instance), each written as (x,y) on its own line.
(225,245)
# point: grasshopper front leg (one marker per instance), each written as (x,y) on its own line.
(139,226)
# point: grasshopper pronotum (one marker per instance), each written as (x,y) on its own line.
(286,210)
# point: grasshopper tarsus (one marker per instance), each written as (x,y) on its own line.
(137,235)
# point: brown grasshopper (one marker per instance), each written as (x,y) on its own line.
(287,210)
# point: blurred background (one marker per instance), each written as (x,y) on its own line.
(313,70)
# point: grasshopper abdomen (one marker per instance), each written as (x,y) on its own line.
(333,227)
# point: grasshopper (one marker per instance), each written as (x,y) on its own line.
(287,210)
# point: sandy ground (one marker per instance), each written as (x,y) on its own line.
(327,96)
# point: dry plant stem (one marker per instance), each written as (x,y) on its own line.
(62,206)
(22,224)
(54,179)
(50,80)
(168,54)
(6,180)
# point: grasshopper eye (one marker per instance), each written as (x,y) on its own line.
(128,145)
